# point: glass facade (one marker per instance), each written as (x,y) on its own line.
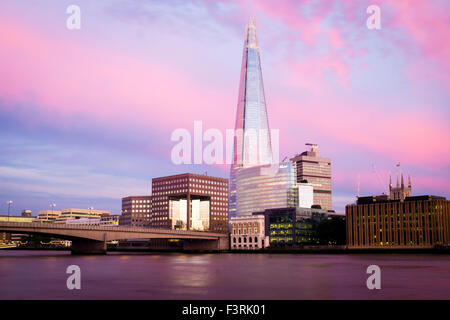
(293,226)
(252,143)
(178,214)
(258,191)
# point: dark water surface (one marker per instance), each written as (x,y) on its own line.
(42,275)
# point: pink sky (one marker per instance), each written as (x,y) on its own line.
(135,72)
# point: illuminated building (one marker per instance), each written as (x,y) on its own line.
(136,211)
(315,170)
(251,116)
(248,232)
(291,227)
(190,202)
(415,222)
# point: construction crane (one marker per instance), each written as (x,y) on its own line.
(357,186)
(380,181)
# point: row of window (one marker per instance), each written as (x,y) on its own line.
(142,201)
(244,239)
(244,231)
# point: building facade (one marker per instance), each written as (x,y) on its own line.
(111,220)
(252,142)
(415,222)
(190,202)
(47,216)
(136,211)
(248,233)
(315,170)
(292,227)
(72,213)
(258,188)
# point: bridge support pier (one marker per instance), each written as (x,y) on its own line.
(84,246)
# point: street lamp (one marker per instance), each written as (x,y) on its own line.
(53,205)
(9,206)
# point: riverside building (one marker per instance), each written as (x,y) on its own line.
(414,222)
(190,202)
(248,233)
(47,216)
(292,227)
(136,211)
(73,214)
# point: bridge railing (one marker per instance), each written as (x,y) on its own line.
(105,228)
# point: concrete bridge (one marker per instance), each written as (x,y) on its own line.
(92,239)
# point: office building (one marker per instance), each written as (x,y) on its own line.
(47,216)
(70,214)
(415,222)
(248,233)
(252,143)
(258,188)
(292,227)
(136,211)
(111,220)
(311,168)
(190,202)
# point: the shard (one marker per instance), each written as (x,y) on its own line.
(252,143)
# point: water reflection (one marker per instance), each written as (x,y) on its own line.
(41,275)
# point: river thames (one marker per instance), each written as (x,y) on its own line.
(42,275)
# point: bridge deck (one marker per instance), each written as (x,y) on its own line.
(104,232)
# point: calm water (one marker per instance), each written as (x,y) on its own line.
(41,275)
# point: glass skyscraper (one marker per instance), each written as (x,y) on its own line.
(252,143)
(257,191)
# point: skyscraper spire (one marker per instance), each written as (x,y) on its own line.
(252,142)
(390,182)
(403,185)
(397,182)
(251,116)
(409,181)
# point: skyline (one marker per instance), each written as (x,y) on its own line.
(86,115)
